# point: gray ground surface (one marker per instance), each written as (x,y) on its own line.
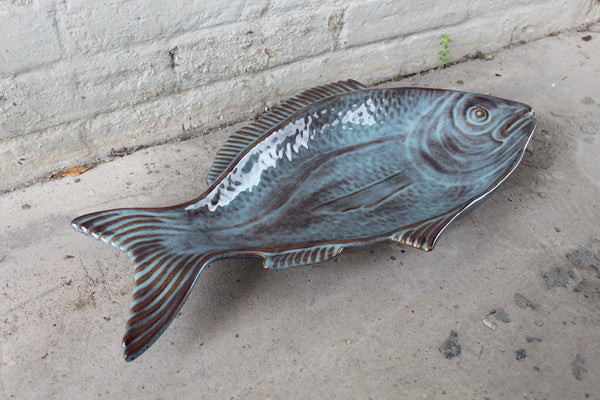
(506,307)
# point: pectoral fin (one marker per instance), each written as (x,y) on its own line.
(368,196)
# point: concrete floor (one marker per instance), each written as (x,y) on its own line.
(515,283)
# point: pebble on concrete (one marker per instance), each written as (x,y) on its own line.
(501,315)
(578,368)
(523,302)
(451,348)
(584,258)
(555,278)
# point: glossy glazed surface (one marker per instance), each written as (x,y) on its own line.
(337,166)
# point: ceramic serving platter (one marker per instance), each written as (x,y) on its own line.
(338,166)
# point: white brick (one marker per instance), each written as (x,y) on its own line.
(304,5)
(122,79)
(91,27)
(371,21)
(82,88)
(28,37)
(226,52)
(33,97)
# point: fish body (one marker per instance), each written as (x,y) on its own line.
(337,166)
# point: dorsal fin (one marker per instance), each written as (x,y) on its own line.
(247,136)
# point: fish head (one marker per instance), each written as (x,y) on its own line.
(471,136)
(483,120)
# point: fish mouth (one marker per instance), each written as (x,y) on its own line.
(522,122)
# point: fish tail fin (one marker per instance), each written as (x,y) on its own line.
(166,266)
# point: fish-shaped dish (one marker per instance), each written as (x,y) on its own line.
(337,166)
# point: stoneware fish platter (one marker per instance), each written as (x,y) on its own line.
(335,167)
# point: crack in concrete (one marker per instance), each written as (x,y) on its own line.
(33,299)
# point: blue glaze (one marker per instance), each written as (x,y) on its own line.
(337,166)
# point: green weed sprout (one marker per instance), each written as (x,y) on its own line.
(444,53)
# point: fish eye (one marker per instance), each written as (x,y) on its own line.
(477,115)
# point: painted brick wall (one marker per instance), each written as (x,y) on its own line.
(79,78)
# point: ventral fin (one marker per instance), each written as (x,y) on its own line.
(423,235)
(247,136)
(299,257)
